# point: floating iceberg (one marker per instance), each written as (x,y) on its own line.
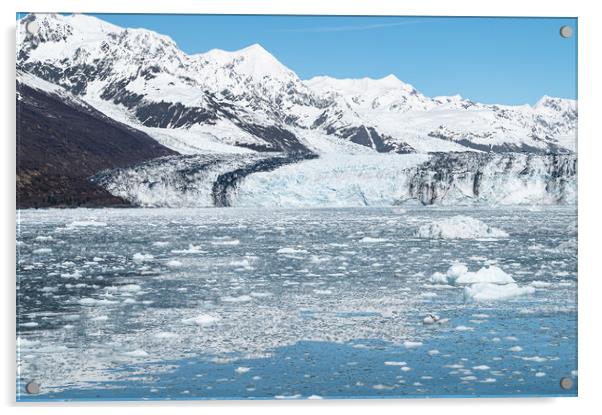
(487,284)
(489,292)
(458,274)
(459,227)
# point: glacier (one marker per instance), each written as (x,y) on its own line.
(305,180)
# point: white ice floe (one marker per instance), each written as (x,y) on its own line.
(130,288)
(192,249)
(135,353)
(537,359)
(226,242)
(434,319)
(241,370)
(459,227)
(238,299)
(100,318)
(464,328)
(371,240)
(84,223)
(93,302)
(139,257)
(515,349)
(392,363)
(42,251)
(201,320)
(287,251)
(174,263)
(411,344)
(541,284)
(244,263)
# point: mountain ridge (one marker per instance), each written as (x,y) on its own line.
(248,99)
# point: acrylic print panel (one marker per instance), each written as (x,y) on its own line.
(295,207)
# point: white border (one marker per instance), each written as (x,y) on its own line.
(590,165)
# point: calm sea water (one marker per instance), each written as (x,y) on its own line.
(238,303)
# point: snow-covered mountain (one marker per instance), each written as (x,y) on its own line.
(247,100)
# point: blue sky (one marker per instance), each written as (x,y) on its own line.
(491,60)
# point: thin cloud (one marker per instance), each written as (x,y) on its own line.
(322,29)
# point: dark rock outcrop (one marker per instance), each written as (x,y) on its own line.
(61,142)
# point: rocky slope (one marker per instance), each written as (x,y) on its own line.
(61,142)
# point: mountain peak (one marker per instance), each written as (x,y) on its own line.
(391,79)
(555,103)
(49,23)
(255,48)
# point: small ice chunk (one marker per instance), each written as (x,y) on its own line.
(241,369)
(393,363)
(464,328)
(244,263)
(408,344)
(481,367)
(201,320)
(192,249)
(130,288)
(371,240)
(240,299)
(382,387)
(174,263)
(291,251)
(540,374)
(226,242)
(92,301)
(541,284)
(515,349)
(135,353)
(100,318)
(433,352)
(537,359)
(139,257)
(42,251)
(83,223)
